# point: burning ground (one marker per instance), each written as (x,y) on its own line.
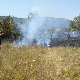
(73,42)
(38,30)
(37,62)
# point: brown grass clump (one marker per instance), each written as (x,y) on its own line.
(38,63)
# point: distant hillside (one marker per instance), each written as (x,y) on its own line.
(18,20)
(57,22)
(2,17)
(49,21)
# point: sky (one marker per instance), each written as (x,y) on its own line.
(67,9)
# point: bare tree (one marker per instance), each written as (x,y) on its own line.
(66,31)
(51,30)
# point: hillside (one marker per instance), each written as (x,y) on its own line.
(49,21)
(57,22)
(18,20)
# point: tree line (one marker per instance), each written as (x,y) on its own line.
(12,32)
(73,26)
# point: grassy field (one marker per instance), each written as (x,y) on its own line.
(38,63)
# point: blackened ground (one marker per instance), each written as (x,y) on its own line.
(74,42)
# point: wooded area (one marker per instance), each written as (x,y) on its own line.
(10,30)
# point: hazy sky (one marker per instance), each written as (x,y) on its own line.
(51,8)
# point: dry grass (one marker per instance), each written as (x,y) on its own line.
(38,63)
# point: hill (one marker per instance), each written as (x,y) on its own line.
(57,22)
(49,21)
(18,20)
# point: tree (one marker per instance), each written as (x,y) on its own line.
(16,32)
(66,31)
(1,30)
(75,24)
(30,15)
(9,28)
(1,33)
(51,30)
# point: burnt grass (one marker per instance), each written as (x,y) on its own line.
(71,42)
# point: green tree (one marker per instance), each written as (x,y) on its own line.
(30,15)
(75,24)
(9,28)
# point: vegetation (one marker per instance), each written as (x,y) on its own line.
(15,19)
(51,30)
(9,29)
(75,23)
(38,63)
(66,31)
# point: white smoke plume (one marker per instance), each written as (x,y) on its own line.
(34,31)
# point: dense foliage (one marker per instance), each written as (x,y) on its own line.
(10,29)
(75,23)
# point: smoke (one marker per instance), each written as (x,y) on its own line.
(34,30)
